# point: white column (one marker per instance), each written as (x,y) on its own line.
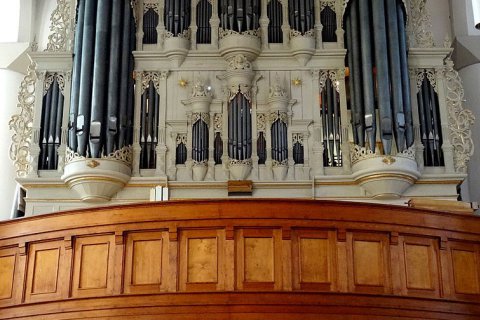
(340,32)
(318,25)
(137,149)
(317,162)
(416,120)
(291,163)
(211,148)
(67,77)
(9,84)
(140,33)
(193,25)
(161,25)
(264,21)
(285,24)
(255,173)
(345,123)
(215,23)
(447,146)
(161,150)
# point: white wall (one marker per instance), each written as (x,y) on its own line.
(9,84)
(441,25)
(471,78)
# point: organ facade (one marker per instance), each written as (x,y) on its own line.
(307,99)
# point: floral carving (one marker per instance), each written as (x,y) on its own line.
(124,155)
(60,27)
(431,76)
(297,138)
(22,123)
(460,120)
(238,62)
(200,89)
(181,138)
(309,33)
(282,116)
(150,5)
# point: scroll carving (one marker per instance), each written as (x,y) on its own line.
(460,120)
(60,27)
(21,124)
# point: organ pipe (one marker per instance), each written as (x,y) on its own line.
(84,103)
(382,74)
(275,15)
(51,126)
(239,15)
(177,16)
(240,127)
(72,139)
(301,15)
(102,86)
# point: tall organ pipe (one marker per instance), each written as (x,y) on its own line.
(114,75)
(52,125)
(58,127)
(99,77)
(77,62)
(367,68)
(395,65)
(350,79)
(47,106)
(357,76)
(383,78)
(84,107)
(407,105)
(124,74)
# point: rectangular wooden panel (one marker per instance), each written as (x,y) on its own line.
(202,256)
(465,271)
(259,260)
(94,266)
(45,265)
(368,256)
(259,263)
(418,266)
(368,263)
(314,260)
(202,260)
(45,272)
(93,269)
(7,272)
(147,262)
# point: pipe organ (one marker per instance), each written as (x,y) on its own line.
(309,98)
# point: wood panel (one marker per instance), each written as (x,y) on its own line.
(314,259)
(259,260)
(202,260)
(405,262)
(93,266)
(369,269)
(465,268)
(7,273)
(45,261)
(146,262)
(420,261)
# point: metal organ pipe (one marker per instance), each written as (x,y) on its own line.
(383,77)
(77,62)
(358,108)
(407,105)
(99,78)
(114,75)
(389,63)
(52,122)
(84,107)
(102,79)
